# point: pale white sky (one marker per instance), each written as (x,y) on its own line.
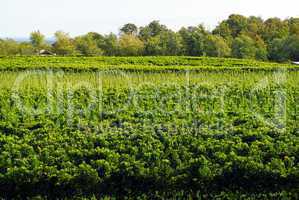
(20,17)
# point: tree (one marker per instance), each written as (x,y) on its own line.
(216,46)
(98,38)
(243,47)
(224,31)
(129,29)
(294,26)
(237,24)
(152,46)
(291,47)
(166,43)
(275,28)
(276,50)
(159,40)
(232,27)
(283,49)
(26,48)
(37,40)
(87,46)
(9,47)
(237,36)
(130,45)
(109,45)
(261,48)
(255,26)
(64,45)
(172,43)
(193,40)
(151,30)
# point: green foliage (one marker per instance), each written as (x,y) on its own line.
(129,29)
(255,26)
(285,49)
(237,24)
(146,64)
(166,43)
(244,47)
(276,50)
(153,29)
(8,47)
(231,38)
(37,39)
(215,137)
(294,26)
(261,49)
(216,46)
(63,45)
(291,47)
(110,45)
(275,28)
(25,49)
(130,45)
(224,31)
(193,40)
(87,45)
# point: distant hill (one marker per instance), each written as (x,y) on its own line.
(50,40)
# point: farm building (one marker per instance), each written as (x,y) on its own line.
(44,52)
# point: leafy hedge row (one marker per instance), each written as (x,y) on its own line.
(134,63)
(163,142)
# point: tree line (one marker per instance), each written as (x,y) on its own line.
(238,36)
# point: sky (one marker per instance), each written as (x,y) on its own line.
(20,17)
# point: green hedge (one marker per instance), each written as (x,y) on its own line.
(162,144)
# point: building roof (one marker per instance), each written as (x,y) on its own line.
(45,52)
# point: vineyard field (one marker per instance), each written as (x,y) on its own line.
(148,128)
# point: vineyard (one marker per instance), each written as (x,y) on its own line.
(148,128)
(75,64)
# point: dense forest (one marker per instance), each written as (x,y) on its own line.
(238,36)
